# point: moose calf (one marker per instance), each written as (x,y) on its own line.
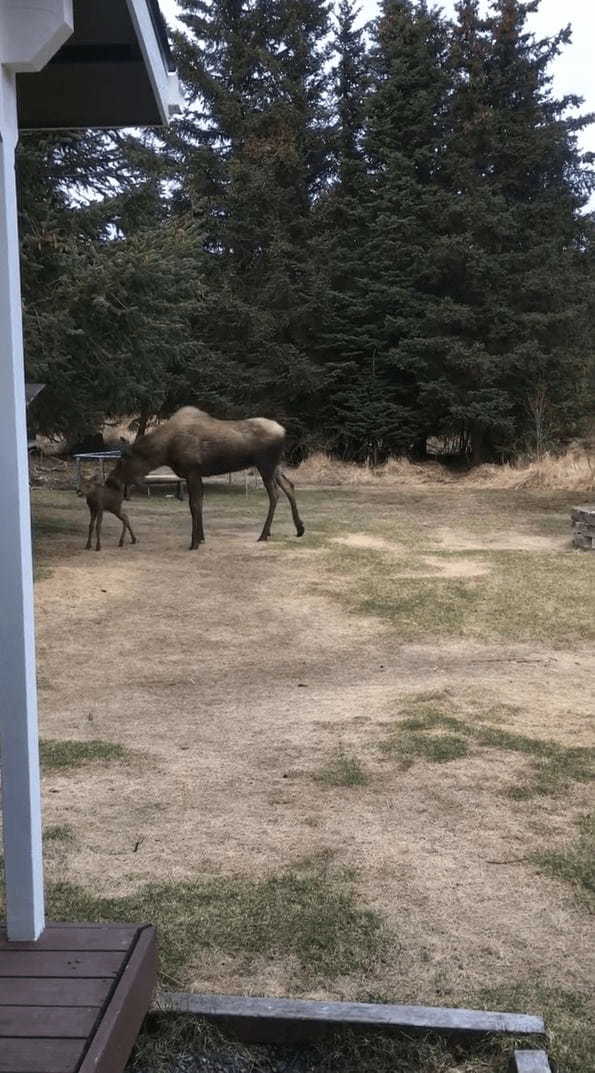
(108,497)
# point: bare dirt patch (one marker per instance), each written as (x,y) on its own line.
(498,540)
(458,567)
(430,566)
(240,681)
(366,540)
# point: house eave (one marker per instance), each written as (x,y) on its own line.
(115,70)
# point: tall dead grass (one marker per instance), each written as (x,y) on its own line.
(321,469)
(573,471)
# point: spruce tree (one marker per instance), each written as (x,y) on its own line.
(253,156)
(508,332)
(340,224)
(111,281)
(404,143)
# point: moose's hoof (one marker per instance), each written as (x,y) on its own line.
(262,539)
(301,529)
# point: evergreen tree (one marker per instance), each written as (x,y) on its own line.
(255,156)
(404,142)
(378,253)
(340,220)
(111,285)
(506,340)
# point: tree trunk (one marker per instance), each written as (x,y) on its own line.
(419,448)
(143,421)
(477,445)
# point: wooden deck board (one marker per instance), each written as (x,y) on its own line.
(74,1001)
(19,991)
(39,1056)
(84,937)
(59,1022)
(63,963)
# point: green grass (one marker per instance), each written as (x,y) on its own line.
(435,748)
(41,573)
(568,1017)
(45,524)
(170,1042)
(427,732)
(58,834)
(309,915)
(342,770)
(525,596)
(57,755)
(575,863)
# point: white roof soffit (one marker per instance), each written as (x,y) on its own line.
(32,32)
(116,70)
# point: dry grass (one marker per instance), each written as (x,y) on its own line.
(573,471)
(242,678)
(322,469)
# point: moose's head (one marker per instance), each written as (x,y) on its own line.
(130,467)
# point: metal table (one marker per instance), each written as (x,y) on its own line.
(99,456)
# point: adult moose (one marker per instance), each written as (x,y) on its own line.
(196,445)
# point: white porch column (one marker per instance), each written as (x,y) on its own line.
(29,35)
(18,705)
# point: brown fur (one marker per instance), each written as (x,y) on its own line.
(101,497)
(196,445)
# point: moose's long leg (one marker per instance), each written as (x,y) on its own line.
(98,529)
(195,498)
(270,484)
(91,527)
(125,526)
(286,486)
(127,520)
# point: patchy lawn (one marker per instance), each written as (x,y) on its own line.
(355,766)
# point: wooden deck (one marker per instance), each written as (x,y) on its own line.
(73,1002)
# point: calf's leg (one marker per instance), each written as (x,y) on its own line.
(98,529)
(125,526)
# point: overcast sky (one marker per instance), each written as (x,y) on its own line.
(574,71)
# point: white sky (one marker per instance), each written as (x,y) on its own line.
(574,70)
